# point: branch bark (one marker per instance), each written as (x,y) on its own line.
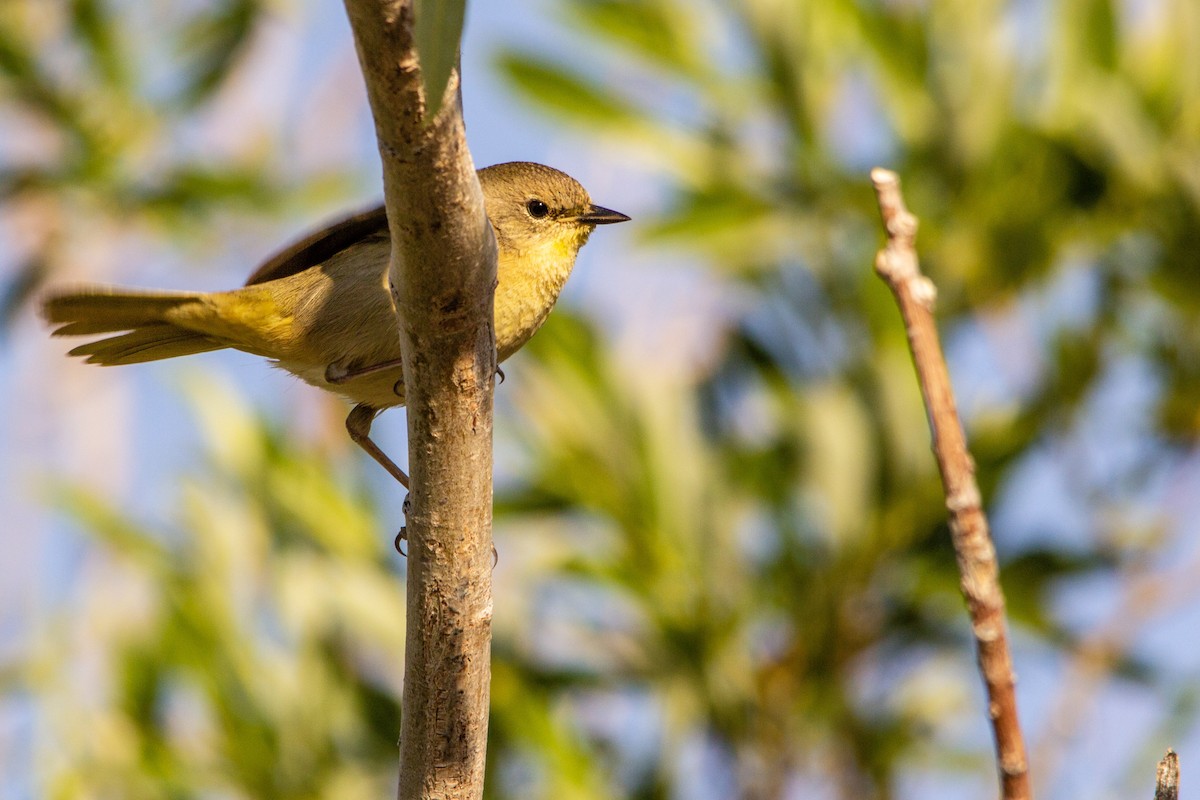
(1166,785)
(979,576)
(443,276)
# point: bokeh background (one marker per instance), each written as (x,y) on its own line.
(724,569)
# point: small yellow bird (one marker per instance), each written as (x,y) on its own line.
(321,309)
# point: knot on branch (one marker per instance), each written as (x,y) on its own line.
(966,498)
(923,290)
(1013,767)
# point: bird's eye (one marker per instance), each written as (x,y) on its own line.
(537,209)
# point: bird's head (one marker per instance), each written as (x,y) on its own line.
(537,208)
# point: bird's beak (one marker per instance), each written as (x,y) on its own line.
(597,215)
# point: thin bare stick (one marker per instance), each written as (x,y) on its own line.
(443,274)
(979,576)
(1166,786)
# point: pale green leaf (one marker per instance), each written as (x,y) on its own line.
(558,89)
(438,29)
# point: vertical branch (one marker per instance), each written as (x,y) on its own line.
(443,274)
(979,575)
(1166,784)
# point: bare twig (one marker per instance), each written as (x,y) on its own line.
(443,274)
(915,294)
(1166,785)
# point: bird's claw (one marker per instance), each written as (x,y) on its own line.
(402,536)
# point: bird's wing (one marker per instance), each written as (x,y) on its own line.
(322,245)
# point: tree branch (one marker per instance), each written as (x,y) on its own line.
(1166,786)
(443,275)
(979,576)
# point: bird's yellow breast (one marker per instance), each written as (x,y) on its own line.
(528,285)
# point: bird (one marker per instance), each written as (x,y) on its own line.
(322,310)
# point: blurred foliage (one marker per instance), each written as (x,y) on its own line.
(99,98)
(776,571)
(732,580)
(252,649)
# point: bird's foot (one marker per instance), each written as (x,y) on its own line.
(402,536)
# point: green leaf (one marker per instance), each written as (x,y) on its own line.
(657,32)
(1100,32)
(438,29)
(557,89)
(97,29)
(111,528)
(20,68)
(704,216)
(214,41)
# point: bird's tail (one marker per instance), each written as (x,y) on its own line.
(145,324)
